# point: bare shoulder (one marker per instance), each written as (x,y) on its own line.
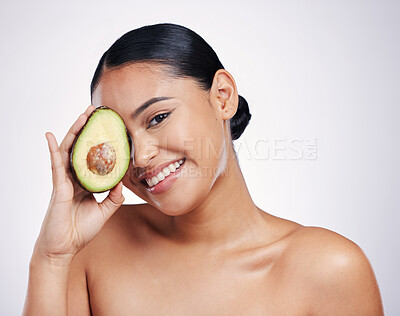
(117,227)
(337,272)
(127,228)
(128,223)
(96,257)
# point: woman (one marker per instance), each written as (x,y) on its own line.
(199,246)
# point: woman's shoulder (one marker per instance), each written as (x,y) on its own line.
(322,242)
(127,224)
(314,245)
(322,249)
(133,214)
(333,269)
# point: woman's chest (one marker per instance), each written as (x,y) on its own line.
(174,286)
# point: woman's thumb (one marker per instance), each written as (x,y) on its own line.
(113,201)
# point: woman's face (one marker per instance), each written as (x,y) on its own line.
(182,125)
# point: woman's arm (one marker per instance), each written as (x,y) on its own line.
(78,295)
(72,220)
(47,286)
(56,285)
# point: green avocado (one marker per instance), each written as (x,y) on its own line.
(101,151)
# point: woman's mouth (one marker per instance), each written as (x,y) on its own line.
(163,180)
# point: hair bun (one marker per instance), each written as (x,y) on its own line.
(241,118)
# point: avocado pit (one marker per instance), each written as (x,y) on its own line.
(101,159)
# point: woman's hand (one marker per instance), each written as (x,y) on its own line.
(73,217)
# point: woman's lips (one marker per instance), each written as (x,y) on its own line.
(156,170)
(165,184)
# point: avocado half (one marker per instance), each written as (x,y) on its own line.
(101,151)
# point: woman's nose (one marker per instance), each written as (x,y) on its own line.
(143,150)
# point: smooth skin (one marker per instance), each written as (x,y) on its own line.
(202,247)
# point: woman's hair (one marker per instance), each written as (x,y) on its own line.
(184,52)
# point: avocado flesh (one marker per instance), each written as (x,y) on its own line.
(101,151)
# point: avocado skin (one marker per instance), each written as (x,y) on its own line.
(71,168)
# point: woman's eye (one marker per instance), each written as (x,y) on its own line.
(158,119)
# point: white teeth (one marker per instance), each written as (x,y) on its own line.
(154,181)
(171,167)
(160,176)
(164,173)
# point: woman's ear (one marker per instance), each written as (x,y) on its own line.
(224,94)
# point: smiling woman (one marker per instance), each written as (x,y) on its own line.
(199,246)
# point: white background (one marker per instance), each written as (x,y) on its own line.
(310,70)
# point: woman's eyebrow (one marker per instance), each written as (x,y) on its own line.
(145,105)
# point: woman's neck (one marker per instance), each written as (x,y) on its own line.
(226,218)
